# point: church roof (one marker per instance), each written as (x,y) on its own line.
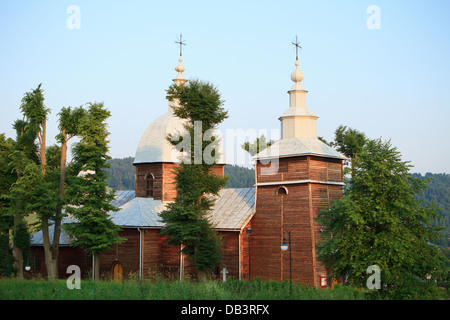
(37,239)
(139,212)
(290,147)
(153,146)
(233,209)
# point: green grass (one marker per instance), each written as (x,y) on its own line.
(11,289)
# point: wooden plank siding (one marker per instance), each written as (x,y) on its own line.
(164,187)
(164,183)
(312,183)
(126,253)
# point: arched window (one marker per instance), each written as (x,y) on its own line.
(149,181)
(282,190)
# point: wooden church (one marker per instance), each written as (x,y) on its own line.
(295,178)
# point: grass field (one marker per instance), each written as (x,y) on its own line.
(11,289)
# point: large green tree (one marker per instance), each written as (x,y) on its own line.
(8,177)
(186,222)
(381,221)
(33,126)
(88,192)
(40,174)
(41,170)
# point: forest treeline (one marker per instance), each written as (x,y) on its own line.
(122,177)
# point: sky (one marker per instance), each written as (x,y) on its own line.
(381,67)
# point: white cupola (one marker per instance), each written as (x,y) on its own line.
(298,121)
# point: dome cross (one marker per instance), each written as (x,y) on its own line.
(181,43)
(297,46)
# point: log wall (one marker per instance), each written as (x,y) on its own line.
(310,184)
(164,183)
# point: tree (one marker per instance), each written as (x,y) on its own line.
(88,191)
(380,221)
(7,147)
(185,219)
(48,195)
(35,114)
(32,127)
(348,141)
(257,146)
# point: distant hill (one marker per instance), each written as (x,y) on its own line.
(122,174)
(439,192)
(239,177)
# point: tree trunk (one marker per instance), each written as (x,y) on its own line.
(51,260)
(43,147)
(18,262)
(97,267)
(17,251)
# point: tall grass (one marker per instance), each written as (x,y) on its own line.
(11,289)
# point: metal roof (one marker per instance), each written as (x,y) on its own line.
(37,239)
(233,209)
(290,147)
(139,212)
(122,197)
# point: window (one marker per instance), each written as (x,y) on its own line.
(282,190)
(149,179)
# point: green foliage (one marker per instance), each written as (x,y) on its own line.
(32,192)
(186,221)
(257,146)
(53,155)
(198,101)
(88,193)
(8,177)
(380,221)
(34,110)
(69,122)
(348,141)
(25,141)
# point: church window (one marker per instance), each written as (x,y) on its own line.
(149,182)
(282,190)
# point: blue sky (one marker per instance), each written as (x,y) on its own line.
(391,82)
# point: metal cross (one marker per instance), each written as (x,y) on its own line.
(181,43)
(297,46)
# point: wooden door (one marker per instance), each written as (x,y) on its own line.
(117,272)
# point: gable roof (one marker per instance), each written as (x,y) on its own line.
(233,209)
(140,213)
(289,147)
